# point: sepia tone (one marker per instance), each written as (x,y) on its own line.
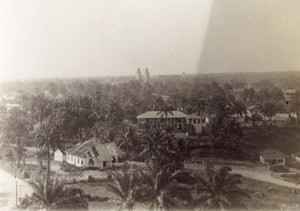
(149,105)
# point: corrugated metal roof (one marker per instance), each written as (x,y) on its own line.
(161,114)
(81,149)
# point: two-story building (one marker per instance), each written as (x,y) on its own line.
(177,119)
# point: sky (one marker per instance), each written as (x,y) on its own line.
(71,38)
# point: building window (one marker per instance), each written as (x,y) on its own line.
(195,121)
(82,162)
(199,121)
(91,162)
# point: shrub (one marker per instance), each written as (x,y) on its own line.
(91,178)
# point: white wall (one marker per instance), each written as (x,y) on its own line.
(58,156)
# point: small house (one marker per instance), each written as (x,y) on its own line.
(89,154)
(272,157)
(59,155)
(114,151)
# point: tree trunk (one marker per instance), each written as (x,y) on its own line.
(48,161)
(41,165)
(18,154)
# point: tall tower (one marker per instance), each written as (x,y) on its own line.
(138,75)
(146,76)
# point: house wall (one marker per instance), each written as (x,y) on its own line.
(58,156)
(272,161)
(70,159)
(78,161)
(197,123)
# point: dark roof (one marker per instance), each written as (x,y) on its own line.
(161,114)
(272,153)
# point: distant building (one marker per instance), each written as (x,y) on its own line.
(272,158)
(11,100)
(138,75)
(178,120)
(11,96)
(290,95)
(145,77)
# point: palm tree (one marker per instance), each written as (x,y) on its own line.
(40,156)
(20,151)
(239,108)
(255,117)
(125,187)
(46,137)
(15,130)
(161,188)
(165,109)
(219,189)
(156,148)
(50,193)
(127,139)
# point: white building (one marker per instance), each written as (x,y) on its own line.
(59,155)
(272,157)
(177,119)
(89,154)
(114,151)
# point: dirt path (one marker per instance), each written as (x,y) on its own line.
(255,173)
(264,177)
(8,185)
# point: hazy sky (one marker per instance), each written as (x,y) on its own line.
(65,38)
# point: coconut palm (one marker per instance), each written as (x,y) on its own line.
(219,189)
(165,110)
(161,189)
(127,139)
(20,151)
(125,187)
(46,137)
(49,193)
(239,108)
(40,155)
(157,148)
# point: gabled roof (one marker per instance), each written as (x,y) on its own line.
(113,149)
(161,114)
(81,149)
(62,151)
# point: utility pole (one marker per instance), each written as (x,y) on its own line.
(16,190)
